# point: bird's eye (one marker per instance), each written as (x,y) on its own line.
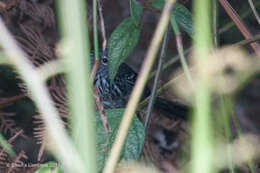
(104,60)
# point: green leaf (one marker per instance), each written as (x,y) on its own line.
(174,25)
(182,15)
(136,11)
(134,141)
(121,43)
(49,167)
(159,4)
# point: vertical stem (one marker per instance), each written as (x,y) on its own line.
(225,121)
(76,43)
(95,29)
(156,80)
(215,22)
(202,145)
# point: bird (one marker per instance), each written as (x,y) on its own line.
(116,94)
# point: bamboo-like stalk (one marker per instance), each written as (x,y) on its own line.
(138,89)
(77,56)
(202,144)
(63,148)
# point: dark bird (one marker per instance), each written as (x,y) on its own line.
(117,94)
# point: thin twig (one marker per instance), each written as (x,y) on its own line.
(156,80)
(102,24)
(254,11)
(101,110)
(164,88)
(239,23)
(103,31)
(7,101)
(138,89)
(230,24)
(169,63)
(95,33)
(94,70)
(39,92)
(248,41)
(215,23)
(11,140)
(183,60)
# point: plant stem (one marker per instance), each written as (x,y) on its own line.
(247,41)
(138,89)
(231,24)
(239,23)
(95,29)
(169,63)
(95,36)
(77,55)
(215,23)
(202,144)
(254,11)
(50,69)
(179,44)
(157,77)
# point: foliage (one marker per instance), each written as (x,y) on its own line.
(134,142)
(182,15)
(49,167)
(121,43)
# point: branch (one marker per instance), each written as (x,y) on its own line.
(254,11)
(239,23)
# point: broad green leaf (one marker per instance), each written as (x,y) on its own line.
(134,141)
(136,11)
(121,43)
(182,15)
(50,167)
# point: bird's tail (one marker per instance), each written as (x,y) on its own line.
(172,110)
